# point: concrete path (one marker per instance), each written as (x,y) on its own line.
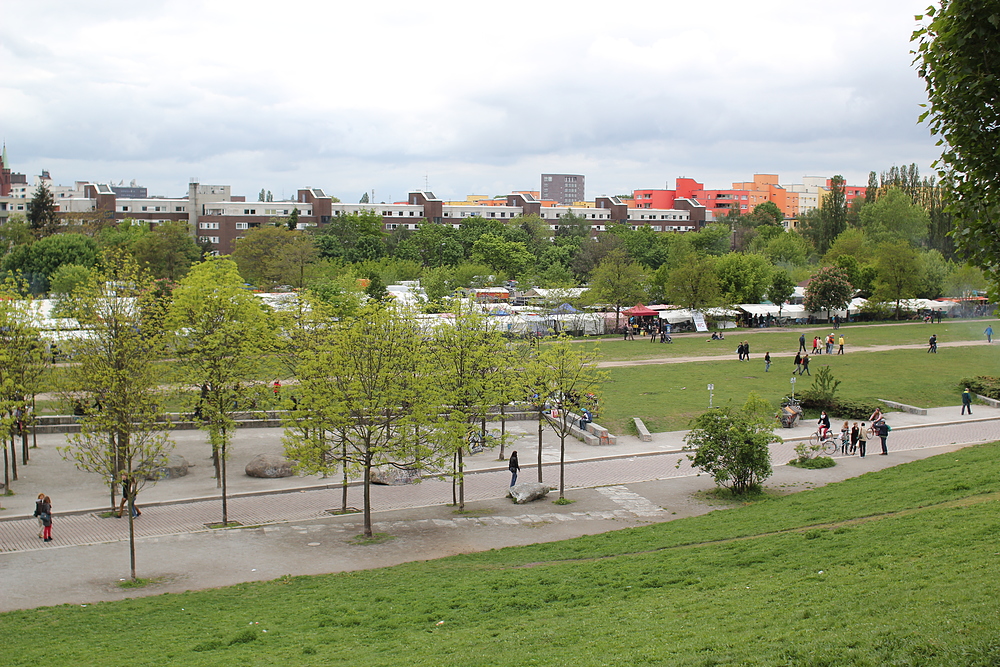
(291,530)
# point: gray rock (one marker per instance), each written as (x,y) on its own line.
(270,465)
(525,492)
(169,467)
(393,476)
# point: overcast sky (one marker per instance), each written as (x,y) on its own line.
(467,98)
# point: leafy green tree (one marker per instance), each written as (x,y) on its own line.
(121,235)
(293,220)
(828,290)
(893,216)
(899,274)
(473,367)
(507,258)
(617,281)
(36,262)
(168,251)
(433,244)
(271,256)
(591,253)
(369,396)
(958,55)
(716,239)
(364,199)
(123,434)
(964,280)
(743,278)
(67,279)
(14,232)
(693,284)
(223,333)
(571,373)
(733,446)
(353,236)
(766,213)
(42,218)
(787,248)
(780,288)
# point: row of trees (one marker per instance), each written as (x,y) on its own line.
(374,388)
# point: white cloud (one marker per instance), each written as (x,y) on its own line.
(479,98)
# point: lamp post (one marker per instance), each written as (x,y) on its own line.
(711,389)
(793,387)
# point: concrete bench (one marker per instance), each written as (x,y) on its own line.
(644,433)
(594,435)
(903,407)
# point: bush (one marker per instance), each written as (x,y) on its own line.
(846,408)
(818,462)
(985,385)
(822,394)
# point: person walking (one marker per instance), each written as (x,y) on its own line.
(802,343)
(816,347)
(45,516)
(840,342)
(38,514)
(883,432)
(514,467)
(798,364)
(966,401)
(767,361)
(746,350)
(932,344)
(862,440)
(855,432)
(804,368)
(989,333)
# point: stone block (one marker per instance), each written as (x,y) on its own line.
(270,466)
(393,476)
(171,466)
(525,492)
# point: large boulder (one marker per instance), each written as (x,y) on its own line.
(525,492)
(270,465)
(168,467)
(393,476)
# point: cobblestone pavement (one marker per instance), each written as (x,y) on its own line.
(304,505)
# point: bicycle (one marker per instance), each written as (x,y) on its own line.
(824,445)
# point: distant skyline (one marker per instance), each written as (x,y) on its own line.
(460,99)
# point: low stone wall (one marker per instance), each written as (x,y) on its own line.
(903,407)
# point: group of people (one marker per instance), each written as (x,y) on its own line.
(743,350)
(854,439)
(43,512)
(801,364)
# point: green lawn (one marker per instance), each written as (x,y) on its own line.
(668,396)
(897,567)
(786,341)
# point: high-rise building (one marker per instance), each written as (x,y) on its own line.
(563,188)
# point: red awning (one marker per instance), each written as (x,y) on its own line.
(640,310)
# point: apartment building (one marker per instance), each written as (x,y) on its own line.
(563,188)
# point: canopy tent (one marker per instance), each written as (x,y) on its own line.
(639,310)
(565,308)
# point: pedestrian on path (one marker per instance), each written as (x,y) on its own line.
(804,368)
(862,440)
(38,514)
(840,342)
(845,438)
(966,401)
(989,333)
(767,361)
(855,434)
(802,343)
(932,344)
(883,432)
(45,516)
(514,467)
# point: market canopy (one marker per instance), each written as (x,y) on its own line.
(640,310)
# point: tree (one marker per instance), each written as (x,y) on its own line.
(780,288)
(168,251)
(958,55)
(369,396)
(766,213)
(743,278)
(507,258)
(828,290)
(733,445)
(123,434)
(224,332)
(42,219)
(617,281)
(14,232)
(898,274)
(271,256)
(293,220)
(36,262)
(693,284)
(894,216)
(472,365)
(571,373)
(364,199)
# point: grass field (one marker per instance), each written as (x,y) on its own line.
(897,567)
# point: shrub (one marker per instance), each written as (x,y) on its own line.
(822,394)
(985,385)
(846,408)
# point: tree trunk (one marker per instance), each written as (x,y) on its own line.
(343,463)
(218,467)
(461,481)
(222,479)
(541,418)
(6,469)
(13,456)
(368,497)
(24,445)
(503,431)
(562,465)
(131,533)
(454,480)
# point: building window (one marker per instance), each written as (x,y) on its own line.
(242,225)
(179,209)
(125,209)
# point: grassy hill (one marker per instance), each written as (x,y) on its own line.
(896,567)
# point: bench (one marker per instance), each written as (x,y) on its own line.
(594,434)
(644,433)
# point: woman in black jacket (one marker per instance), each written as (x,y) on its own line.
(513,466)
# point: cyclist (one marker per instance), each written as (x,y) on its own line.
(824,425)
